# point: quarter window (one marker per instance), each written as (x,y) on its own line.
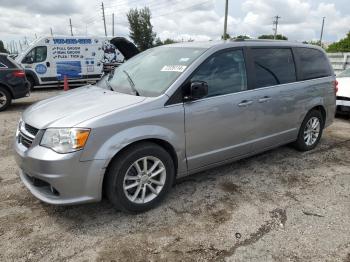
(313,63)
(274,66)
(224,72)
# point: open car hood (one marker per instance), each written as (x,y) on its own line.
(127,48)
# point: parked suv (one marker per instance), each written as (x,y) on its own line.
(13,83)
(172,111)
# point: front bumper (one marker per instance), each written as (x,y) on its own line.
(59,179)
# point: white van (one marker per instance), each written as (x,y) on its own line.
(49,59)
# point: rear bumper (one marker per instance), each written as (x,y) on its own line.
(59,179)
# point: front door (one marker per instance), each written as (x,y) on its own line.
(37,60)
(220,126)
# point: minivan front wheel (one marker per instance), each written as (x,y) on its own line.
(310,131)
(139,178)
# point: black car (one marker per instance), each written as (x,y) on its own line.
(13,82)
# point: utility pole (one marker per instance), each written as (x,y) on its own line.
(71,27)
(51,31)
(104,19)
(113,24)
(225,25)
(321,37)
(275,23)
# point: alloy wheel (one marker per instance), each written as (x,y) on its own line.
(312,131)
(144,180)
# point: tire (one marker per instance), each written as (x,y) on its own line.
(5,98)
(31,82)
(304,142)
(124,180)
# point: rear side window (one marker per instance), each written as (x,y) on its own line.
(6,62)
(313,63)
(273,66)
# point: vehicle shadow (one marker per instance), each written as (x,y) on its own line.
(192,196)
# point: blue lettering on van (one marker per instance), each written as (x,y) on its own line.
(41,69)
(70,41)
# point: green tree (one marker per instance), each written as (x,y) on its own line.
(341,46)
(278,37)
(158,42)
(242,37)
(141,29)
(2,48)
(168,41)
(312,43)
(226,37)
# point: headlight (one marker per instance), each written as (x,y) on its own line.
(65,140)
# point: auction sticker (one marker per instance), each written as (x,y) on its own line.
(173,68)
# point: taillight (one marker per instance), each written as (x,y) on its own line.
(19,74)
(335,86)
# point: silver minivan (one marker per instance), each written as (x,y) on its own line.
(172,111)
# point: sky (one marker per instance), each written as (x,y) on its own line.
(200,20)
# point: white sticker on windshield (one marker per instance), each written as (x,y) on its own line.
(173,68)
(184,59)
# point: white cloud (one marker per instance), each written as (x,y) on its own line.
(177,19)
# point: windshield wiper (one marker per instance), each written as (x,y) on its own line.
(132,84)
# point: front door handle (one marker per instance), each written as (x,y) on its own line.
(245,103)
(264,99)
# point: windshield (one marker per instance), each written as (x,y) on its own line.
(345,73)
(153,71)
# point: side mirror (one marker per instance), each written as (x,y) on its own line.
(198,90)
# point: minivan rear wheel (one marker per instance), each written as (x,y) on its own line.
(310,131)
(139,178)
(5,98)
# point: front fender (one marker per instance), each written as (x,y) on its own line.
(115,143)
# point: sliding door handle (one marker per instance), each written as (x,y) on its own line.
(264,99)
(245,103)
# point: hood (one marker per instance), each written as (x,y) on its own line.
(343,86)
(127,48)
(76,106)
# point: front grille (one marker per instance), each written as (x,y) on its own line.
(31,130)
(27,134)
(27,142)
